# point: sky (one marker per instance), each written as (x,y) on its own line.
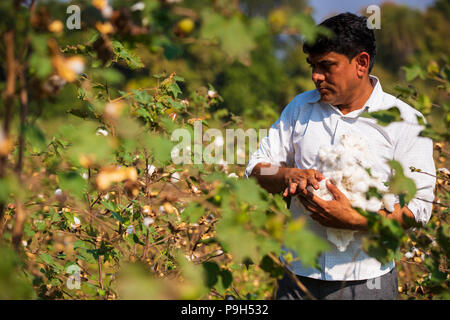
(326,8)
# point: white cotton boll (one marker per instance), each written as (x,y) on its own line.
(361,186)
(322,192)
(138,6)
(340,237)
(359,202)
(107,11)
(175,177)
(373,205)
(346,164)
(130,229)
(409,255)
(76,220)
(148,221)
(85,176)
(233,175)
(101,132)
(151,169)
(58,192)
(389,201)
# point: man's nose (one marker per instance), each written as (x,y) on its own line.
(317,77)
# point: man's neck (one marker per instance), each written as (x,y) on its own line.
(359,100)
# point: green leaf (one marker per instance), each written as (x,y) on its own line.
(46,258)
(192,213)
(384,117)
(35,137)
(111,206)
(160,147)
(211,272)
(269,266)
(233,35)
(127,55)
(413,71)
(306,245)
(306,26)
(400,184)
(73,183)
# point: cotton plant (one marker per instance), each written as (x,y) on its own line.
(348,165)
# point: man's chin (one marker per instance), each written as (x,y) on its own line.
(327,98)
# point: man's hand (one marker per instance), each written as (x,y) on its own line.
(288,180)
(337,213)
(298,179)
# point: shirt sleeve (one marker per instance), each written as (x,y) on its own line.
(277,148)
(415,151)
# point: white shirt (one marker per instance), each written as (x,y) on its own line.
(306,124)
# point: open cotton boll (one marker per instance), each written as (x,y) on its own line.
(374,204)
(322,192)
(175,177)
(346,164)
(340,237)
(389,200)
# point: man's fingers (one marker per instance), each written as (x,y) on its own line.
(293,188)
(337,194)
(313,182)
(318,175)
(311,206)
(302,186)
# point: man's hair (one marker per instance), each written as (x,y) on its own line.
(351,37)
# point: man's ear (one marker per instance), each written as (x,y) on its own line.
(362,64)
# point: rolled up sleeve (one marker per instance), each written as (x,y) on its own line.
(276,148)
(415,151)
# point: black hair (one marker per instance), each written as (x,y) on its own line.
(351,37)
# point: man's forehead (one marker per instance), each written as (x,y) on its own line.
(332,56)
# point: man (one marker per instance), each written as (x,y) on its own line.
(284,162)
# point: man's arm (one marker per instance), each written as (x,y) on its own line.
(339,213)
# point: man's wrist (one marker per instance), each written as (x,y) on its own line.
(358,221)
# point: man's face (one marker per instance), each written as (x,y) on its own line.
(334,76)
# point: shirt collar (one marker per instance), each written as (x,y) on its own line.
(373,103)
